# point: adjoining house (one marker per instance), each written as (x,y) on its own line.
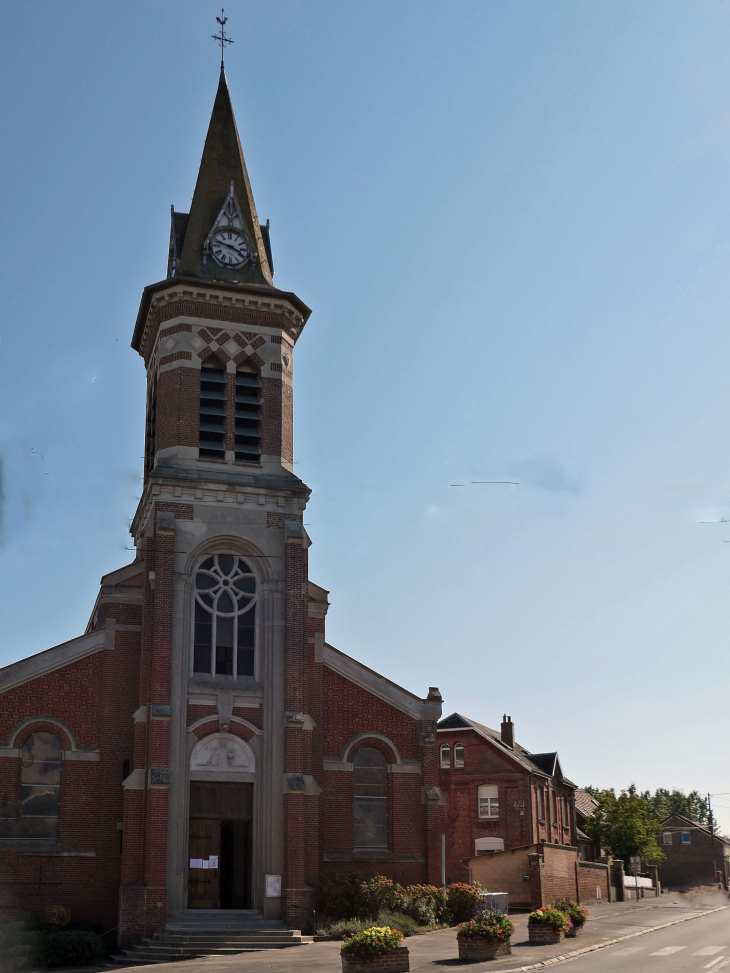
(694,856)
(509,817)
(589,849)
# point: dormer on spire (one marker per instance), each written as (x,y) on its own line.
(221,239)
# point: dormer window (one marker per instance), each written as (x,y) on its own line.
(458,755)
(445,757)
(248,416)
(212,442)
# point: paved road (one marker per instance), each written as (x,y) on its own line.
(690,947)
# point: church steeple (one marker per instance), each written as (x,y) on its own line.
(221,239)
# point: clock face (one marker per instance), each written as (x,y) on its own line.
(229,248)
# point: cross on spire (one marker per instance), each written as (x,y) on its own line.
(221,35)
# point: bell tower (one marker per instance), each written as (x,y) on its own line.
(222,739)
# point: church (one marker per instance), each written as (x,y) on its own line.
(201,749)
(201,746)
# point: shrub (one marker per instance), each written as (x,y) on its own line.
(578,914)
(59,917)
(549,917)
(342,927)
(380,893)
(399,920)
(425,903)
(340,895)
(20,939)
(372,942)
(462,900)
(73,948)
(489,924)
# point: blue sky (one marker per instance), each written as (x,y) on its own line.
(512,221)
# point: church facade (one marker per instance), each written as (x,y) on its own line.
(201,745)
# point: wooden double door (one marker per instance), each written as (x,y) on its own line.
(219,846)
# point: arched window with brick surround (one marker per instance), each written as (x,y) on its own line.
(225,617)
(445,756)
(40,776)
(370,799)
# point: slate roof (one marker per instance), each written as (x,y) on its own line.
(584,802)
(546,764)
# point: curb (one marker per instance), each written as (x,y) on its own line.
(574,954)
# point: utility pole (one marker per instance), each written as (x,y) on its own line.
(712,838)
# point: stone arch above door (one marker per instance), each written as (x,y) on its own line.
(222,754)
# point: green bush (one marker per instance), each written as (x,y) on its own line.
(342,927)
(399,920)
(549,917)
(72,948)
(340,895)
(490,924)
(462,900)
(20,939)
(372,942)
(381,894)
(425,903)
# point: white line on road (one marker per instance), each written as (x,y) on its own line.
(714,962)
(667,951)
(708,950)
(629,950)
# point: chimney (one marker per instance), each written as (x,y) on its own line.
(508,731)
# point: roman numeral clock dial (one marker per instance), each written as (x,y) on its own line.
(229,248)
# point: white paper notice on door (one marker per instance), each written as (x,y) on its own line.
(213,861)
(206,863)
(196,862)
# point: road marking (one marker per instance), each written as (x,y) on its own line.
(708,950)
(714,962)
(629,949)
(667,951)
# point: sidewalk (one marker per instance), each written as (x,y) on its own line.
(438,950)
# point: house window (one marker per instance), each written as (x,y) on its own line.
(126,769)
(564,810)
(225,617)
(40,776)
(540,803)
(458,755)
(248,416)
(483,846)
(445,762)
(667,837)
(370,799)
(212,442)
(686,838)
(488,801)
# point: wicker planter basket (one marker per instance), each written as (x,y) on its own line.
(541,934)
(395,962)
(476,950)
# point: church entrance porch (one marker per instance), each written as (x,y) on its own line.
(219,845)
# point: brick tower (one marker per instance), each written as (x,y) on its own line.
(219,731)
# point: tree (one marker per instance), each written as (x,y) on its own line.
(626,824)
(664,802)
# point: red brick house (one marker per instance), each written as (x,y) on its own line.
(509,816)
(695,856)
(201,746)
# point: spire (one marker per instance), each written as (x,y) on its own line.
(222,238)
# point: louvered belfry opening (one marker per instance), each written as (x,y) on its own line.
(212,411)
(248,416)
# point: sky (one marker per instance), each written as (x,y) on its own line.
(512,222)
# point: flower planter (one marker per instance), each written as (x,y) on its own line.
(394,962)
(476,950)
(575,931)
(541,934)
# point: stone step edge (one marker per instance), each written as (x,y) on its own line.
(565,957)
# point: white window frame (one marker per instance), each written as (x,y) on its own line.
(667,838)
(459,756)
(488,800)
(445,750)
(483,846)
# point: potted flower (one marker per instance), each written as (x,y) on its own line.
(485,936)
(546,926)
(378,947)
(578,915)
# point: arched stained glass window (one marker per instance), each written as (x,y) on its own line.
(40,776)
(225,617)
(370,799)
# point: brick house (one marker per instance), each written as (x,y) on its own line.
(509,816)
(694,856)
(201,746)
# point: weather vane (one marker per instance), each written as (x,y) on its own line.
(221,36)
